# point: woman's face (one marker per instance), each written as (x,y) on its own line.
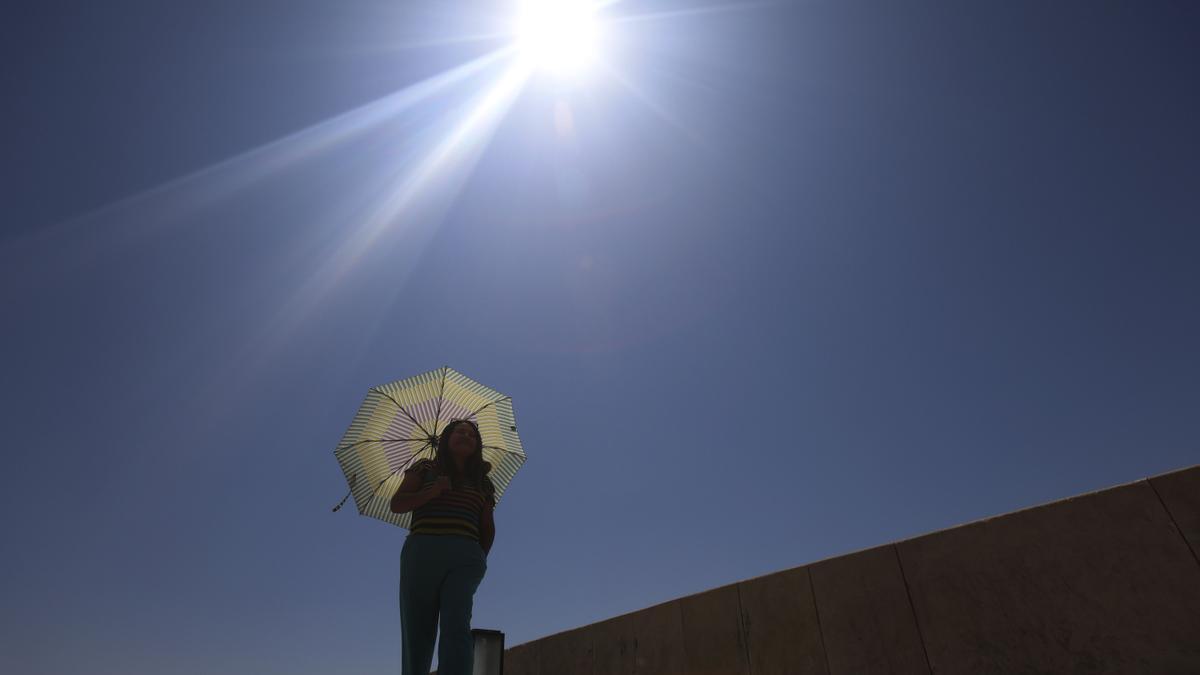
(463,441)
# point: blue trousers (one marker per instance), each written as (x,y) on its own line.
(438,573)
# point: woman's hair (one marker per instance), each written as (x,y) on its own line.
(475,467)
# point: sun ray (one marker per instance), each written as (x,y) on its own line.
(654,106)
(122,222)
(694,11)
(408,216)
(393,46)
(427,163)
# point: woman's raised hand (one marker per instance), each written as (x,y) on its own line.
(442,484)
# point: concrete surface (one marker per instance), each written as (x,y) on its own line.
(713,641)
(867,622)
(1102,583)
(780,625)
(1105,582)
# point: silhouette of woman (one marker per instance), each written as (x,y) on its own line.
(444,557)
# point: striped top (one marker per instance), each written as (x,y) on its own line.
(456,511)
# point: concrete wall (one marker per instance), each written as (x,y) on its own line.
(1105,582)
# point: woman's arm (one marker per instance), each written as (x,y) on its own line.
(487,527)
(408,496)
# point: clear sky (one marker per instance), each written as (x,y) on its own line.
(781,282)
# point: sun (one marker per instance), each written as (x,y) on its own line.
(558,36)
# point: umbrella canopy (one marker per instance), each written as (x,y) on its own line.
(400,422)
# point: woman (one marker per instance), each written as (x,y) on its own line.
(444,556)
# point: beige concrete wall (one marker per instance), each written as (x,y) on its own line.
(1105,582)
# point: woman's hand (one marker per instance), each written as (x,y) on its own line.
(412,492)
(442,484)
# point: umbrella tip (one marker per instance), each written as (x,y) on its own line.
(339,504)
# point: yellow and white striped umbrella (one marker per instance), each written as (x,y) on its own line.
(400,422)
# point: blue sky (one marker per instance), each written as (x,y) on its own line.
(789,281)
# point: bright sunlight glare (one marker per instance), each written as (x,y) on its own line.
(560,36)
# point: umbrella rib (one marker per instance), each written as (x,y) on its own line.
(504,450)
(441,391)
(379,440)
(432,454)
(398,470)
(393,473)
(476,411)
(414,420)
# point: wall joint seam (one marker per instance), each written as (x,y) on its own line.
(912,606)
(1174,523)
(743,634)
(817,612)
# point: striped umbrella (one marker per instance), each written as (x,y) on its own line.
(400,422)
